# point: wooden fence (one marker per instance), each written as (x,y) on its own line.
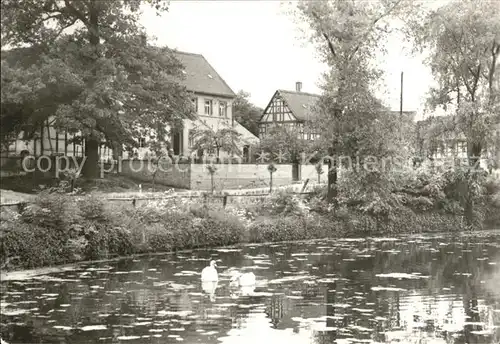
(205,196)
(133,200)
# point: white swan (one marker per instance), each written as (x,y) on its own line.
(209,273)
(209,287)
(244,280)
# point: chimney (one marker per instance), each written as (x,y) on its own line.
(298,86)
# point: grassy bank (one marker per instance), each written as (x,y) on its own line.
(31,184)
(61,229)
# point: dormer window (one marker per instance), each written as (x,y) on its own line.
(209,107)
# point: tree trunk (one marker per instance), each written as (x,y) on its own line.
(295,171)
(117,150)
(332,181)
(91,165)
(270,182)
(474,155)
(90,168)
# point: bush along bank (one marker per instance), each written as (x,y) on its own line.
(60,229)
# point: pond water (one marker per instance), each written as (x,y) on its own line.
(418,289)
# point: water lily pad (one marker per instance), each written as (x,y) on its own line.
(400,275)
(94,328)
(387,289)
(128,337)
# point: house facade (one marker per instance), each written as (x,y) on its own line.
(51,142)
(212,101)
(449,146)
(291,109)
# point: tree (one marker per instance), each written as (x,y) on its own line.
(214,141)
(287,144)
(347,35)
(271,169)
(212,169)
(463,41)
(245,113)
(89,64)
(158,159)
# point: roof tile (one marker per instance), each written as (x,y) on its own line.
(300,103)
(201,77)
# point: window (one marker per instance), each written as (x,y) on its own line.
(142,142)
(195,104)
(462,146)
(209,107)
(262,130)
(223,109)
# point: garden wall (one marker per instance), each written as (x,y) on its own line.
(185,176)
(175,176)
(234,176)
(309,172)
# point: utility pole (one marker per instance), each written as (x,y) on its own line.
(401,98)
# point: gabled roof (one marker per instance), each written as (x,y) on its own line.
(246,135)
(201,77)
(299,103)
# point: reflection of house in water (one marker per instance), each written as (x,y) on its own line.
(433,317)
(275,310)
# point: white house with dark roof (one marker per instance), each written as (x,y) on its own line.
(212,100)
(289,108)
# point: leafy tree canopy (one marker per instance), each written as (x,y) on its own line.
(348,35)
(245,113)
(90,65)
(286,142)
(462,41)
(214,141)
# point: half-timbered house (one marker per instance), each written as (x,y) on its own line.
(289,108)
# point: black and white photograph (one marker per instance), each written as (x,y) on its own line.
(250,171)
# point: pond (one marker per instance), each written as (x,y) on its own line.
(416,289)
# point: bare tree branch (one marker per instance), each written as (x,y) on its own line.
(76,13)
(328,41)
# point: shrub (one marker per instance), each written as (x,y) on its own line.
(281,202)
(36,246)
(158,239)
(289,228)
(219,228)
(50,211)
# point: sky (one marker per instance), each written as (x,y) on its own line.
(255,46)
